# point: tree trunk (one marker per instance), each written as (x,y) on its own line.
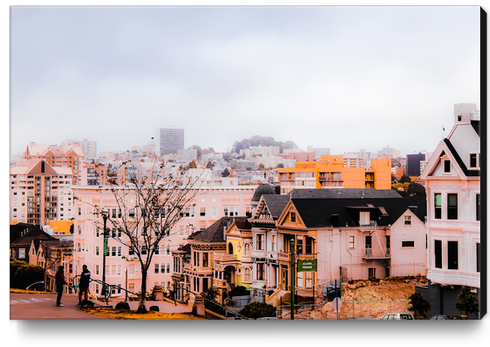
(142,303)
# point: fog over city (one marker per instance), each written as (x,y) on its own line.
(339,77)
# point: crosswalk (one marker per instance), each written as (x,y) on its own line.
(31,301)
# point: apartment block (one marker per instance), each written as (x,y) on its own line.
(40,193)
(331,172)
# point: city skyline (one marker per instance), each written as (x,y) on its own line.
(337,77)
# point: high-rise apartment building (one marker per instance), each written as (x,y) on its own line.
(168,140)
(40,192)
(70,156)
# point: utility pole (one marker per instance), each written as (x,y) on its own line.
(293,275)
(104,250)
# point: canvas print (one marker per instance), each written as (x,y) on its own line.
(277,163)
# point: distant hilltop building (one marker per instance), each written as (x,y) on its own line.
(388,152)
(168,140)
(89,147)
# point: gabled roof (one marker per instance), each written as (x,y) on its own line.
(24,234)
(325,213)
(460,162)
(216,231)
(276,204)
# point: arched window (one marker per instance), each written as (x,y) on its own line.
(246,250)
(246,277)
(230,248)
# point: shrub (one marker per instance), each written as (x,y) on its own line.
(258,309)
(23,274)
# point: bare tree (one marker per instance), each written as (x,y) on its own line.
(149,208)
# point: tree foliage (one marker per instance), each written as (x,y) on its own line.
(149,209)
(417,304)
(23,274)
(467,302)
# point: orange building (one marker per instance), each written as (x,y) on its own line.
(330,172)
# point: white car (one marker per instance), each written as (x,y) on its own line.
(397,316)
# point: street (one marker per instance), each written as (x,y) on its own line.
(43,306)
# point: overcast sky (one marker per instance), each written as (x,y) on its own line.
(338,77)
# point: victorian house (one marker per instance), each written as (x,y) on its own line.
(452,178)
(348,234)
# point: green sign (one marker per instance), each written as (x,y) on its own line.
(306,265)
(106,247)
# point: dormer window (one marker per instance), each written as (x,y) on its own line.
(292,217)
(474,162)
(447,166)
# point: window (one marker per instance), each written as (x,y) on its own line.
(408,220)
(408,243)
(478,257)
(437,205)
(225,211)
(351,242)
(364,218)
(246,277)
(474,160)
(205,257)
(260,271)
(452,255)
(308,245)
(438,253)
(292,217)
(157,268)
(202,212)
(477,206)
(213,212)
(259,242)
(447,166)
(22,253)
(452,206)
(273,243)
(246,249)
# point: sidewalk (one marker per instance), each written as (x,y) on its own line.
(43,306)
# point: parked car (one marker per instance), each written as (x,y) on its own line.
(360,318)
(397,316)
(444,317)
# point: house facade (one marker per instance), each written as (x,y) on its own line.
(215,199)
(452,177)
(349,234)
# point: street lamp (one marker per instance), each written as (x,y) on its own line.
(105,249)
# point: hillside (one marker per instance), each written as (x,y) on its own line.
(261,141)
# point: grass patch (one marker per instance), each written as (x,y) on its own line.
(132,315)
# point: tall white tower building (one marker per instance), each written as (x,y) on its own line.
(168,140)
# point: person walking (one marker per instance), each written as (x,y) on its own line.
(83,284)
(60,282)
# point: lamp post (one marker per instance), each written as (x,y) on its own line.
(293,275)
(104,250)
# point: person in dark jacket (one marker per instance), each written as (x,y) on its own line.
(60,282)
(84,284)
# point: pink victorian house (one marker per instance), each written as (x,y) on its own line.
(452,178)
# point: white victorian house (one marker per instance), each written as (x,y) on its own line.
(452,177)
